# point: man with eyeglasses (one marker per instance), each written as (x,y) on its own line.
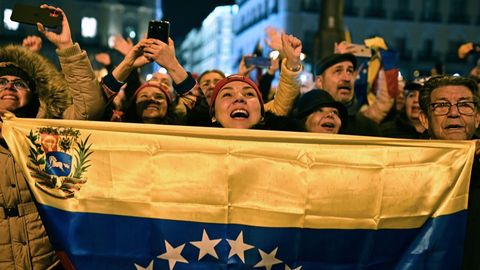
(450,112)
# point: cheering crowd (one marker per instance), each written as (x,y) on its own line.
(441,107)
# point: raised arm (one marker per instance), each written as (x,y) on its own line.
(88,100)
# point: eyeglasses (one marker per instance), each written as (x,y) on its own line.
(19,85)
(464,107)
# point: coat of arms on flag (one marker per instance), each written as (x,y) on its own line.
(58,159)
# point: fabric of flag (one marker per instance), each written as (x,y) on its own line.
(141,196)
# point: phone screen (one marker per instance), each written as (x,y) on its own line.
(159,30)
(263,62)
(31,15)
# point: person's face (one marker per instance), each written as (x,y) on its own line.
(208,82)
(411,105)
(151,105)
(338,80)
(14,93)
(162,79)
(452,126)
(324,120)
(237,106)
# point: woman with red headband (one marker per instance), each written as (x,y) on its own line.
(236,101)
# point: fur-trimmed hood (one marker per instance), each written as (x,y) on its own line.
(51,87)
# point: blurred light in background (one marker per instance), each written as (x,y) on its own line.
(89,27)
(9,24)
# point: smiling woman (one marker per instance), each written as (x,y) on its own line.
(152,105)
(236,103)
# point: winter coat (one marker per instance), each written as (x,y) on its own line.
(73,94)
(23,241)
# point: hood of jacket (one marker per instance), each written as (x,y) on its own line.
(50,85)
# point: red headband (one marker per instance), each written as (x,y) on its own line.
(169,100)
(229,79)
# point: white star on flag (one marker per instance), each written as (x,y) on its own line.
(149,267)
(288,268)
(238,247)
(268,259)
(173,255)
(206,246)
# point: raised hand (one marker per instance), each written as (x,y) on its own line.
(62,40)
(292,47)
(163,54)
(32,43)
(274,39)
(135,56)
(122,45)
(242,67)
(103,58)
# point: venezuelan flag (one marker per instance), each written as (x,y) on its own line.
(136,196)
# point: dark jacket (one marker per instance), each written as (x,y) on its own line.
(357,123)
(471,255)
(400,127)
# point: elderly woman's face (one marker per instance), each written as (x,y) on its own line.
(238,106)
(324,120)
(151,105)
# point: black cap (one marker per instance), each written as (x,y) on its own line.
(416,84)
(316,99)
(333,59)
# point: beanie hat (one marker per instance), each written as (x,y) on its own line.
(8,68)
(229,79)
(316,99)
(145,85)
(333,59)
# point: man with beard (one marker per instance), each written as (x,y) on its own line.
(336,74)
(450,112)
(407,123)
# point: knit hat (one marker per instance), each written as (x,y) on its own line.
(9,68)
(333,59)
(145,85)
(316,99)
(229,79)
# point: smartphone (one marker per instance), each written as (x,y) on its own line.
(262,62)
(159,30)
(32,14)
(360,50)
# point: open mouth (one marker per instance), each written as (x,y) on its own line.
(239,114)
(453,127)
(345,87)
(9,97)
(328,125)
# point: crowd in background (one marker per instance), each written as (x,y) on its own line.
(437,107)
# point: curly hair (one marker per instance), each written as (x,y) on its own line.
(444,80)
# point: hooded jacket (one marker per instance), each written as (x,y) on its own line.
(73,94)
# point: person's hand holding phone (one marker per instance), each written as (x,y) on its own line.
(242,67)
(64,38)
(292,47)
(134,59)
(164,55)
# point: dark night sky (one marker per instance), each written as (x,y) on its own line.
(184,15)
